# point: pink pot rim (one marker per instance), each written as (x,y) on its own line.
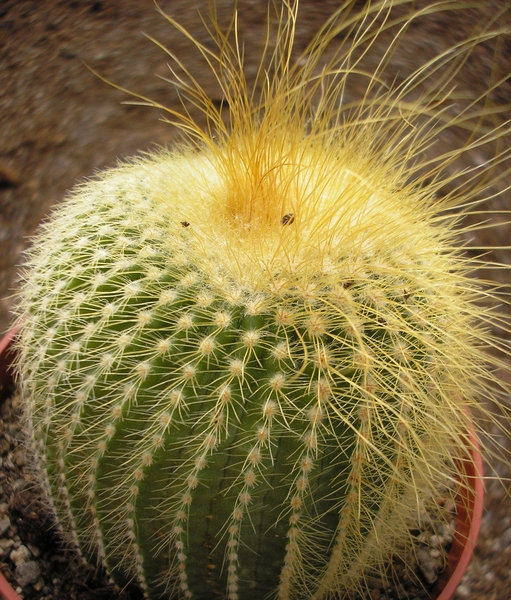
(6,374)
(469,513)
(469,504)
(6,591)
(6,380)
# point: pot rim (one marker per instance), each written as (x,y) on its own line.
(469,504)
(469,512)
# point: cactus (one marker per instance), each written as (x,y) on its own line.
(246,363)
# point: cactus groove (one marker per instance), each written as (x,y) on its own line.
(246,362)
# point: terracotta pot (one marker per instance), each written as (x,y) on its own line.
(469,512)
(6,382)
(469,504)
(6,359)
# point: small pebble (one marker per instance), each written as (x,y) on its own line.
(34,549)
(506,536)
(27,573)
(4,446)
(427,565)
(463,591)
(21,555)
(6,543)
(38,585)
(5,523)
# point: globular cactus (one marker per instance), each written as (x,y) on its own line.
(246,364)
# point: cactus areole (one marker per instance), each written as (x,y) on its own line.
(245,362)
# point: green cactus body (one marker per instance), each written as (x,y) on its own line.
(235,439)
(246,369)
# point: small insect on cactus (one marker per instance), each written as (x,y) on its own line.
(248,363)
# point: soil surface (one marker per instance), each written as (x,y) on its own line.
(59,123)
